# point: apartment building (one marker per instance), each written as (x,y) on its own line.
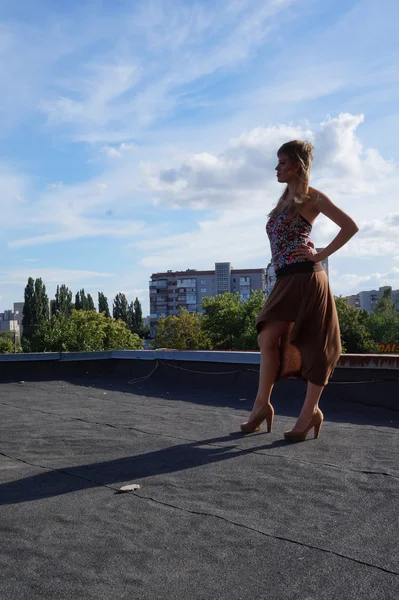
(270,278)
(173,290)
(368,300)
(11,320)
(353,300)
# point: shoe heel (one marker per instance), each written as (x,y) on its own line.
(269,422)
(254,425)
(317,430)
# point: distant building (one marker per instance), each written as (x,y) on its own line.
(8,322)
(173,290)
(324,262)
(19,313)
(368,300)
(11,320)
(354,300)
(270,278)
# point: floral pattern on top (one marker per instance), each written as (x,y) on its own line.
(285,234)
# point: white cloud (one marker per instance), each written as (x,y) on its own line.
(229,237)
(14,189)
(246,166)
(99,88)
(158,56)
(117,151)
(80,227)
(96,208)
(50,275)
(114,80)
(208,181)
(238,189)
(352,283)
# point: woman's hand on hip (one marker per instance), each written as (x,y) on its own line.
(306,252)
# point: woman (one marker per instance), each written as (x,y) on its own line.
(298,329)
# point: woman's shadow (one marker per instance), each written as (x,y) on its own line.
(65,480)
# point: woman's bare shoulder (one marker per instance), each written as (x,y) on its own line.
(316,195)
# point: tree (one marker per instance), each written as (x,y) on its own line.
(230,322)
(36,306)
(181,332)
(355,336)
(84,331)
(28,319)
(63,302)
(103,304)
(78,303)
(41,303)
(118,337)
(120,308)
(130,321)
(90,303)
(221,319)
(138,316)
(383,323)
(82,301)
(8,344)
(135,318)
(249,310)
(385,305)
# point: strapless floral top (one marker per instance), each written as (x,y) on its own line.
(285,234)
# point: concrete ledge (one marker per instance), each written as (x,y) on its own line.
(242,358)
(347,361)
(77,356)
(31,357)
(369,380)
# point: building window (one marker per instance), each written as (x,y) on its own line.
(203,281)
(186,282)
(203,290)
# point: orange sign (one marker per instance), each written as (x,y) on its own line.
(385,348)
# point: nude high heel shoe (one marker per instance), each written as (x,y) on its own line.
(265,413)
(300,436)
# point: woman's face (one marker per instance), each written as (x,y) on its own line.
(287,171)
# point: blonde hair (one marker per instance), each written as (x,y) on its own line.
(300,152)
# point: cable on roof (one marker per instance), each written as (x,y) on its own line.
(141,379)
(159,361)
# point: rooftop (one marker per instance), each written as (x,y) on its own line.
(218,516)
(199,273)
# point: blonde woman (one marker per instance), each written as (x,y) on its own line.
(298,329)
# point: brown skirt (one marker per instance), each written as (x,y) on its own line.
(312,345)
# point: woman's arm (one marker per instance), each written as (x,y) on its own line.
(340,218)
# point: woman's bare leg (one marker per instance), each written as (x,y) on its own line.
(268,341)
(310,406)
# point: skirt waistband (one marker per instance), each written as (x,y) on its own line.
(299,267)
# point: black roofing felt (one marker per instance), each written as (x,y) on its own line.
(218,515)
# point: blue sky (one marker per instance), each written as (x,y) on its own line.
(141,136)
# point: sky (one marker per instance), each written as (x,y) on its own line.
(141,136)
